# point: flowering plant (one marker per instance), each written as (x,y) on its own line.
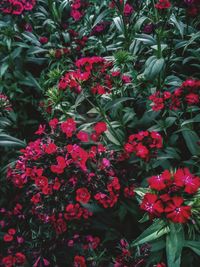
(111,90)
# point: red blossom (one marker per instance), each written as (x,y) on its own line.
(68,127)
(160,182)
(61,164)
(83,136)
(41,130)
(128,9)
(8,238)
(79,261)
(177,212)
(82,195)
(152,204)
(100,127)
(50,148)
(183,178)
(163,4)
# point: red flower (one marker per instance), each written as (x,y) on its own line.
(183,178)
(50,148)
(60,226)
(41,129)
(28,5)
(57,184)
(59,168)
(11,231)
(129,191)
(128,10)
(79,261)
(192,99)
(152,205)
(78,155)
(176,211)
(7,238)
(76,15)
(41,182)
(126,79)
(161,181)
(68,127)
(20,258)
(9,261)
(17,8)
(100,127)
(82,195)
(53,123)
(43,40)
(83,136)
(36,198)
(73,211)
(163,4)
(142,151)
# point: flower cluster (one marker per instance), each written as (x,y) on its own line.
(14,260)
(167,199)
(144,144)
(5,105)
(93,72)
(77,9)
(49,169)
(62,173)
(127,8)
(163,4)
(186,95)
(16,7)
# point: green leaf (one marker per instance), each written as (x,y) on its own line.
(193,245)
(174,245)
(100,17)
(146,39)
(179,25)
(195,119)
(156,230)
(119,24)
(191,139)
(113,104)
(7,140)
(3,68)
(156,68)
(112,138)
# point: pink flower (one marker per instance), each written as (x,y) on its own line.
(76,15)
(128,10)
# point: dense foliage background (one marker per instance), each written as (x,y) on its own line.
(99,133)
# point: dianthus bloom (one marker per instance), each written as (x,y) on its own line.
(176,211)
(82,195)
(100,127)
(16,7)
(184,178)
(152,205)
(68,127)
(163,4)
(168,190)
(184,96)
(144,144)
(161,181)
(79,261)
(128,10)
